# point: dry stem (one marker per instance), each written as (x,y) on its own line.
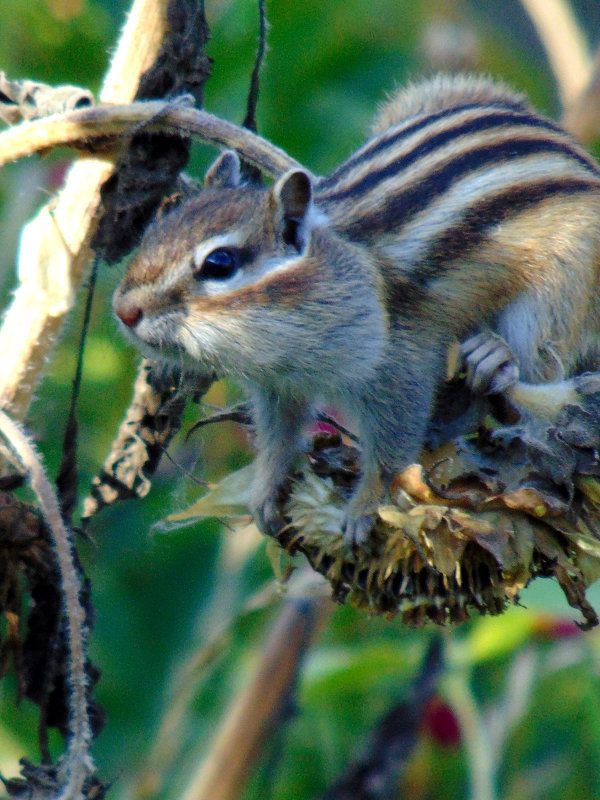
(582,116)
(154,116)
(79,763)
(252,715)
(476,742)
(565,45)
(54,251)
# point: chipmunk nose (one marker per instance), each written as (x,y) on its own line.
(127,312)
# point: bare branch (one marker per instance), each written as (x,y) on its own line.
(250,118)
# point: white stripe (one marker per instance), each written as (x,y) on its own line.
(230,239)
(250,277)
(412,241)
(406,146)
(357,206)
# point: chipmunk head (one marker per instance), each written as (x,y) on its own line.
(209,270)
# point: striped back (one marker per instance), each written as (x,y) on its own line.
(436,180)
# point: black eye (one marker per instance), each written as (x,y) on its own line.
(220,264)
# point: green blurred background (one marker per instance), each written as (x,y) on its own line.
(529,678)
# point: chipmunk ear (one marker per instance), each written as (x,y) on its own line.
(224,172)
(293,195)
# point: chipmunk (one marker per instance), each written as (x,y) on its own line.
(464,212)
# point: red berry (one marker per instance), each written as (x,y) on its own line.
(441,723)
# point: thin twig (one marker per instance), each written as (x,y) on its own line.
(250,172)
(185,472)
(87,314)
(67,478)
(565,45)
(79,762)
(239,413)
(250,118)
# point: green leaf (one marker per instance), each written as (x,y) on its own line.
(230,497)
(493,637)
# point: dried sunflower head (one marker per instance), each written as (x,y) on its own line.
(465,530)
(32,637)
(470,542)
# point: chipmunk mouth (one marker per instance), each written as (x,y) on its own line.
(161,351)
(154,335)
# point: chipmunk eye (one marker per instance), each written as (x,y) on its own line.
(219,264)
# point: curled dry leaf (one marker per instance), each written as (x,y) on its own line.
(152,419)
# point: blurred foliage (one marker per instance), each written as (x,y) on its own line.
(524,687)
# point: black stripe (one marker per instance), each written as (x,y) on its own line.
(400,207)
(486,121)
(370,180)
(455,242)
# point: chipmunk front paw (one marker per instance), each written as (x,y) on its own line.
(490,363)
(361,512)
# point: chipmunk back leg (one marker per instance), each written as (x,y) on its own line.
(550,332)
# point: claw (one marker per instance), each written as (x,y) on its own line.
(268,517)
(490,364)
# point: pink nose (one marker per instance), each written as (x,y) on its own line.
(129,314)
